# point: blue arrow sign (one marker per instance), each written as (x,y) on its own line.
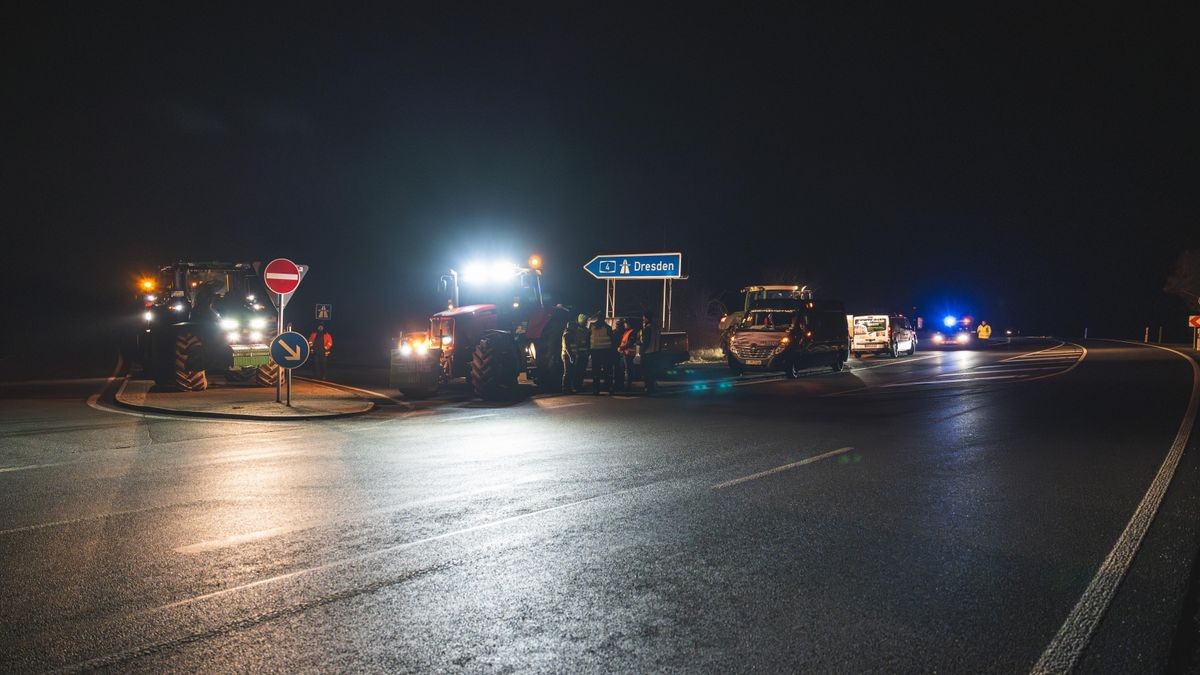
(636,266)
(289,350)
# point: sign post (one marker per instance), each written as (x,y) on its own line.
(616,267)
(290,350)
(282,277)
(1194,323)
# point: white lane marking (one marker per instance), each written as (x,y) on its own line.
(1013,358)
(779,469)
(1064,650)
(961,373)
(452,418)
(384,551)
(1082,355)
(1046,357)
(961,379)
(232,540)
(9,469)
(898,362)
(100,516)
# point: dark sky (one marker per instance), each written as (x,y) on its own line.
(1034,165)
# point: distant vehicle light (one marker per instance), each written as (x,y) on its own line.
(962,338)
(1008,332)
(535,262)
(405,349)
(148,316)
(447,339)
(147,284)
(258,323)
(151,298)
(949,321)
(256,336)
(229,324)
(939,338)
(250,298)
(232,337)
(177,307)
(516,305)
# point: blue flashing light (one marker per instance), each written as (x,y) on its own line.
(949,321)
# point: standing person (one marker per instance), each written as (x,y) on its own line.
(984,331)
(604,352)
(648,346)
(619,372)
(320,342)
(574,354)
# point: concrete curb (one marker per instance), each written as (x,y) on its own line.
(141,407)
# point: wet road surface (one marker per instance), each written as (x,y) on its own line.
(946,511)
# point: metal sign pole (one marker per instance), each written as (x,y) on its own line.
(289,396)
(610,299)
(279,331)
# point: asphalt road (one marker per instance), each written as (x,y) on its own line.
(949,511)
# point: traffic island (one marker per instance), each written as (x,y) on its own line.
(310,400)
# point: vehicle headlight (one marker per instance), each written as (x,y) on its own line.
(258,323)
(256,336)
(232,337)
(422,347)
(938,338)
(447,339)
(177,307)
(148,316)
(229,324)
(962,338)
(405,349)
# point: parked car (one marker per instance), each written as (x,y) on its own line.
(889,334)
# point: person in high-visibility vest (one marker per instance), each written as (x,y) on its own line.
(575,342)
(320,343)
(603,352)
(984,331)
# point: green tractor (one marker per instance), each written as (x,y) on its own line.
(206,318)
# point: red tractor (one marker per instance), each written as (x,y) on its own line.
(503,331)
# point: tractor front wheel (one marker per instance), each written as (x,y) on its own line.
(494,368)
(189,366)
(267,376)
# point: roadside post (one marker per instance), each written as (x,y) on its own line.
(289,350)
(282,277)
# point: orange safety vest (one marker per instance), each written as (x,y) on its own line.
(312,339)
(629,342)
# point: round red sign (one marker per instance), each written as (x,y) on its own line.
(281,276)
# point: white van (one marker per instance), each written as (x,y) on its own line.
(882,333)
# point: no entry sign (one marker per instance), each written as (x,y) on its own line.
(281,276)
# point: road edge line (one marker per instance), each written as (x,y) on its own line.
(1072,638)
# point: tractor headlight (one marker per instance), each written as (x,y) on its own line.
(232,337)
(447,339)
(148,316)
(405,349)
(421,347)
(229,324)
(256,336)
(962,338)
(258,323)
(177,307)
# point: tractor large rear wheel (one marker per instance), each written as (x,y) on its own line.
(189,363)
(494,368)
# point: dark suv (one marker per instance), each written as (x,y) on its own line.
(789,335)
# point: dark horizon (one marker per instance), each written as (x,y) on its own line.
(1029,168)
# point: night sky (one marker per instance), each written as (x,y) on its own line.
(1035,168)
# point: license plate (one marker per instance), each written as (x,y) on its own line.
(754,362)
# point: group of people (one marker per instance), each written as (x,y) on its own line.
(617,354)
